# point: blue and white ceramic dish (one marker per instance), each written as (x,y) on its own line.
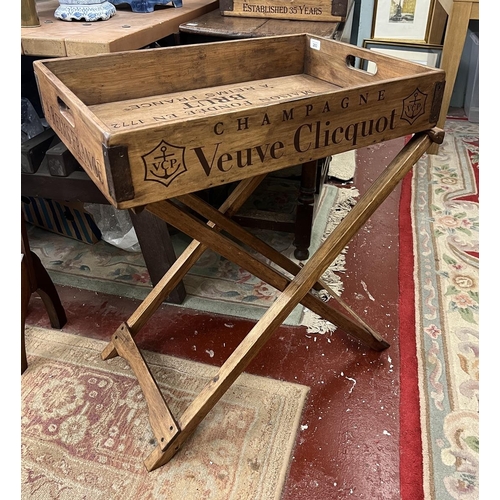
(146,5)
(85,10)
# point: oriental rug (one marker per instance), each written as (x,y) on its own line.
(213,284)
(85,428)
(441,202)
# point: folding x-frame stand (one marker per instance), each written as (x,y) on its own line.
(170,432)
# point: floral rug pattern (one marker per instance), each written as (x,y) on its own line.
(85,430)
(445,213)
(213,284)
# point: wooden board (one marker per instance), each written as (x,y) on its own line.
(126,30)
(215,25)
(178,107)
(305,10)
(211,114)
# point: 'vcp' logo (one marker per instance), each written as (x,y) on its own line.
(164,163)
(413,106)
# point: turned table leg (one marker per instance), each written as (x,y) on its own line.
(35,278)
(305,210)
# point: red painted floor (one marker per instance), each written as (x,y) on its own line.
(348,443)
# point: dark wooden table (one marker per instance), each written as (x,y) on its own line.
(213,27)
(36,279)
(126,30)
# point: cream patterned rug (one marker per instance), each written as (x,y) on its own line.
(445,214)
(213,284)
(342,167)
(85,428)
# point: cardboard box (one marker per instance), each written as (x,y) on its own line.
(304,10)
(61,217)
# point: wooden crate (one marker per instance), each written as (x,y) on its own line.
(305,10)
(157,123)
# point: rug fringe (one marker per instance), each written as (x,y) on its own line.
(345,201)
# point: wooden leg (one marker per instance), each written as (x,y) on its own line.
(25,298)
(47,291)
(181,266)
(305,210)
(295,291)
(456,33)
(157,250)
(35,278)
(229,226)
(162,422)
(226,247)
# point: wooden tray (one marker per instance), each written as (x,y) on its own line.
(153,124)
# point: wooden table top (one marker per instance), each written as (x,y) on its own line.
(215,24)
(126,30)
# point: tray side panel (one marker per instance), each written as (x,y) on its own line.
(332,61)
(189,156)
(73,123)
(137,74)
(227,133)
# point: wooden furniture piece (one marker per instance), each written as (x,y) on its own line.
(212,114)
(307,10)
(459,13)
(212,27)
(34,278)
(152,234)
(126,30)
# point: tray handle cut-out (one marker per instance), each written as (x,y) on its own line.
(66,112)
(361,64)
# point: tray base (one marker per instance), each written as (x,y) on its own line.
(209,101)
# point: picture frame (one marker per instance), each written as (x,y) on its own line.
(404,20)
(426,54)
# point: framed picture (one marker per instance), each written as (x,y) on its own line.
(406,20)
(428,55)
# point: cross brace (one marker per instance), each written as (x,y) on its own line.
(299,288)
